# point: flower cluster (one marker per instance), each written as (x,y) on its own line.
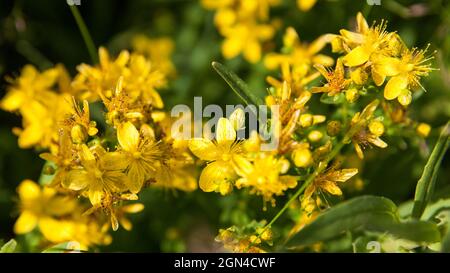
(373,68)
(244,24)
(104,136)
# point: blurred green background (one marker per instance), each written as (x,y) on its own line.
(44,33)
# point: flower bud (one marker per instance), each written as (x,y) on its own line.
(315,136)
(405,97)
(333,128)
(306,120)
(376,127)
(423,130)
(302,157)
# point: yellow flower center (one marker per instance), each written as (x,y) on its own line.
(98,174)
(137,155)
(226,157)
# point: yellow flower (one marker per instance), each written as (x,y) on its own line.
(264,176)
(244,25)
(158,51)
(140,79)
(41,121)
(32,94)
(299,57)
(246,38)
(143,155)
(101,175)
(326,182)
(30,86)
(336,79)
(365,130)
(367,41)
(224,154)
(63,156)
(38,206)
(406,73)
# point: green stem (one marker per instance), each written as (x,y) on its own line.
(308,181)
(85,33)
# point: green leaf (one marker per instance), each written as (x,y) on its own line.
(425,185)
(9,247)
(63,248)
(433,209)
(369,213)
(237,85)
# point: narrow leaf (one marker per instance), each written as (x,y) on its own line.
(237,85)
(425,185)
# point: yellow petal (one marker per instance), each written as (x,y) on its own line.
(231,47)
(125,223)
(76,180)
(225,131)
(204,149)
(237,118)
(86,154)
(13,100)
(56,230)
(395,86)
(96,194)
(30,136)
(344,174)
(388,66)
(252,51)
(116,181)
(114,161)
(351,36)
(357,56)
(136,177)
(128,136)
(319,43)
(133,208)
(361,23)
(214,174)
(377,77)
(331,187)
(28,190)
(26,222)
(103,56)
(242,166)
(377,142)
(358,150)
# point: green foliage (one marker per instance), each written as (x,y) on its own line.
(365,213)
(9,247)
(426,184)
